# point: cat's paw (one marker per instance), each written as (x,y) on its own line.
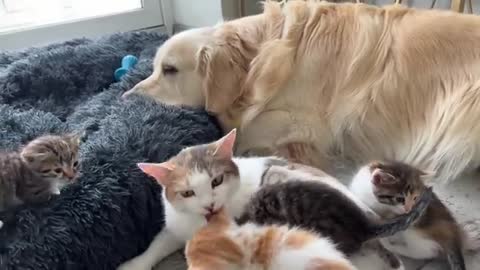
(1,224)
(56,191)
(134,264)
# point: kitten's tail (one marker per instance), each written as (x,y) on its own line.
(455,258)
(402,222)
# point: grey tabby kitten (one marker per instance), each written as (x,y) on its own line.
(38,171)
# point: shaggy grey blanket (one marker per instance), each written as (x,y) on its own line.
(114,210)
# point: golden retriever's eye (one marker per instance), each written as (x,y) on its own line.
(169,70)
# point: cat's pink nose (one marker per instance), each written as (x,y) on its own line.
(69,174)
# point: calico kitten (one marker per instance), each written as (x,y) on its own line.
(38,171)
(390,189)
(196,183)
(324,209)
(222,245)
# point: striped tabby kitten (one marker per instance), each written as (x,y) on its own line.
(222,245)
(324,209)
(38,171)
(391,189)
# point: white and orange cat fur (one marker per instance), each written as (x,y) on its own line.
(197,182)
(223,245)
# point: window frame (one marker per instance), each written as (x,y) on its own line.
(155,14)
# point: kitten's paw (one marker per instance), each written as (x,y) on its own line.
(1,224)
(134,264)
(56,191)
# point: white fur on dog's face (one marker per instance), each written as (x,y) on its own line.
(175,79)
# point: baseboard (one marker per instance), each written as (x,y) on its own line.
(180,27)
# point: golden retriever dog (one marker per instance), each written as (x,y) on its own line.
(319,82)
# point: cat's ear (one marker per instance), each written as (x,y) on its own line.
(224,146)
(196,268)
(427,176)
(380,177)
(30,156)
(159,171)
(77,137)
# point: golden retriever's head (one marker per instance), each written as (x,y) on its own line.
(202,68)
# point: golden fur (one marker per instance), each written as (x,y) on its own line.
(315,81)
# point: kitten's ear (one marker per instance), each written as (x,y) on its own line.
(224,146)
(221,218)
(32,156)
(427,176)
(196,268)
(78,137)
(380,177)
(159,171)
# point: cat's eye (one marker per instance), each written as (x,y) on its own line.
(45,171)
(400,199)
(217,181)
(58,170)
(385,197)
(169,69)
(187,194)
(75,164)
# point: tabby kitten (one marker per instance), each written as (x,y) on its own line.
(222,245)
(38,171)
(391,189)
(324,209)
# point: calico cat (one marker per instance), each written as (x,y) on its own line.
(196,183)
(223,245)
(326,210)
(390,189)
(38,171)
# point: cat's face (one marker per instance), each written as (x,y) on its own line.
(396,184)
(200,179)
(54,158)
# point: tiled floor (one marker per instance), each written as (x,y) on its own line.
(462,197)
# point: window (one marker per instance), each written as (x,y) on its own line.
(33,22)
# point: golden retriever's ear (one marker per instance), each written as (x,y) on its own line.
(224,65)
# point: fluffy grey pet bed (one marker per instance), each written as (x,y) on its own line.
(114,210)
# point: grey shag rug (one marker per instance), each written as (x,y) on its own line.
(114,210)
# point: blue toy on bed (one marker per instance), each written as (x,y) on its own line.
(128,62)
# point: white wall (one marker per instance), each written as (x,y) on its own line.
(197,13)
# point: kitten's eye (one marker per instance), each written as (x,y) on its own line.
(187,194)
(217,181)
(58,170)
(415,198)
(75,164)
(169,70)
(400,199)
(45,171)
(385,197)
